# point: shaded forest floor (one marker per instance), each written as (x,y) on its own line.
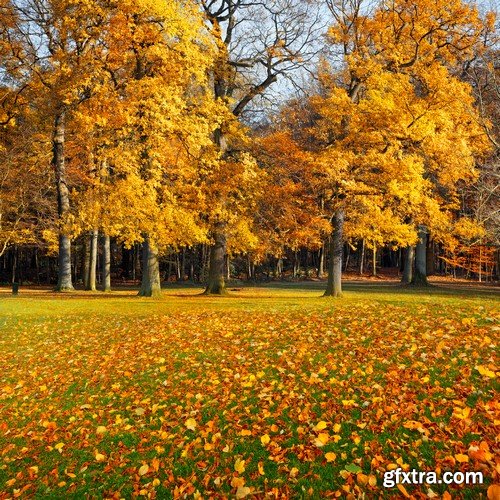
(272,391)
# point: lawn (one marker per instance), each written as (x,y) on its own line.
(270,392)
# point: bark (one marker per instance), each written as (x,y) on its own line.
(14,265)
(150,284)
(430,256)
(64,282)
(94,235)
(334,285)
(374,262)
(86,262)
(362,258)
(408,266)
(321,266)
(216,284)
(106,264)
(420,276)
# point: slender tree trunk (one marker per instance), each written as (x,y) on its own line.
(64,282)
(150,284)
(408,265)
(420,276)
(374,263)
(94,235)
(348,256)
(106,264)
(216,284)
(14,264)
(86,262)
(334,285)
(362,258)
(321,266)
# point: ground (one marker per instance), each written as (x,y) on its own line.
(269,392)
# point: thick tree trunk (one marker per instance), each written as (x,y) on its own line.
(86,261)
(408,265)
(106,264)
(64,282)
(150,284)
(94,235)
(216,284)
(420,276)
(334,285)
(430,256)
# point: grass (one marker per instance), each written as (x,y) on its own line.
(272,391)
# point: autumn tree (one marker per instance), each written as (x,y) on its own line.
(148,131)
(258,42)
(393,122)
(56,64)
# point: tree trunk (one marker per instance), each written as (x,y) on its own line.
(430,256)
(334,285)
(374,262)
(150,284)
(14,265)
(408,265)
(321,266)
(106,264)
(86,261)
(362,258)
(64,282)
(420,276)
(94,235)
(216,284)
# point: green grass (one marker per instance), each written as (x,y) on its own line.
(272,360)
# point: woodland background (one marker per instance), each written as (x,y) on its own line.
(212,140)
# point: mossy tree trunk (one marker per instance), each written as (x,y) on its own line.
(336,247)
(91,285)
(106,263)
(420,275)
(64,282)
(216,283)
(150,284)
(408,265)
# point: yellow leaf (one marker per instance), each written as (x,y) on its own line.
(239,465)
(143,470)
(245,432)
(485,371)
(320,426)
(461,458)
(265,439)
(336,428)
(322,439)
(330,456)
(260,467)
(59,447)
(190,423)
(101,430)
(99,456)
(242,491)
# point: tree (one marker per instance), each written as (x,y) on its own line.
(257,43)
(147,131)
(393,121)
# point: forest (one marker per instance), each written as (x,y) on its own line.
(235,140)
(249,249)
